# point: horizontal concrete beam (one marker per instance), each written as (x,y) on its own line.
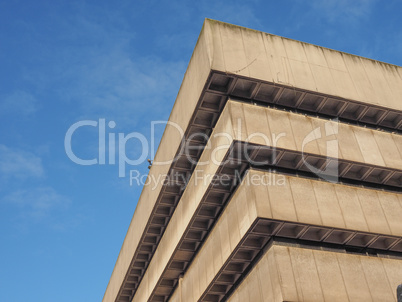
(281,129)
(287,273)
(257,55)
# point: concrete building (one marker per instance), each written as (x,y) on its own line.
(286,185)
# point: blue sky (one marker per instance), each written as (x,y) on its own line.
(62,224)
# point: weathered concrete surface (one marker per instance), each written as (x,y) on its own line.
(239,122)
(300,200)
(250,53)
(295,199)
(297,274)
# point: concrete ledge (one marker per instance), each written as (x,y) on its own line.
(257,55)
(253,124)
(287,273)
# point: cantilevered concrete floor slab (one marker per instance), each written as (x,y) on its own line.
(287,273)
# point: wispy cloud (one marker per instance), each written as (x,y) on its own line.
(16,163)
(18,103)
(37,203)
(342,10)
(237,12)
(108,76)
(124,87)
(24,190)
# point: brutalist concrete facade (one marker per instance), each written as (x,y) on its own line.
(285,184)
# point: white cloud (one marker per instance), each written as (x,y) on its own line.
(342,10)
(126,87)
(37,202)
(18,103)
(109,76)
(15,163)
(237,12)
